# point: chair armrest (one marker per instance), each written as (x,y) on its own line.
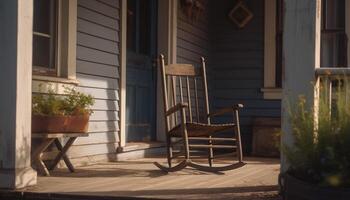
(176,108)
(226,110)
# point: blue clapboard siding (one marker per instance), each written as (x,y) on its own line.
(237,65)
(192,36)
(193,42)
(98,69)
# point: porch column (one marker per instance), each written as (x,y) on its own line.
(302,33)
(16,19)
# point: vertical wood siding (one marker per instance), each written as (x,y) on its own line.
(98,26)
(237,65)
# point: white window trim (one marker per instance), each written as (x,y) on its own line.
(66,44)
(270,90)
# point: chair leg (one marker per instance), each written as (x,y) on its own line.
(210,153)
(184,134)
(169,151)
(239,145)
(238,138)
(187,147)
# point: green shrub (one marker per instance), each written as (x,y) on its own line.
(321,155)
(72,103)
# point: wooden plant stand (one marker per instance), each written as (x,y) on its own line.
(47,140)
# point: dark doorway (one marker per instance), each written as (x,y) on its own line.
(141,70)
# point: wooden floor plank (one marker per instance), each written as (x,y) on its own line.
(140,178)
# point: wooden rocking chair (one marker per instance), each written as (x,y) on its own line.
(190,132)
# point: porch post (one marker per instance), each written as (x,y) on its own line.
(302,33)
(16,19)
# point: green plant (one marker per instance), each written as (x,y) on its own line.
(71,103)
(321,154)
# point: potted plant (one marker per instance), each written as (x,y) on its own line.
(319,159)
(68,113)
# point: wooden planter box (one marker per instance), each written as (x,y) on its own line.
(295,189)
(265,137)
(60,124)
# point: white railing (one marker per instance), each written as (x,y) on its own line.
(331,80)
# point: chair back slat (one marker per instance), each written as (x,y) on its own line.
(181,90)
(182,70)
(196,99)
(189,98)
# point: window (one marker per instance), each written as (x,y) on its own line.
(45,37)
(54,38)
(334,39)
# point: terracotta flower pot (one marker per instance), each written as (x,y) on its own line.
(60,124)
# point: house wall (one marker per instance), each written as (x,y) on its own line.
(193,42)
(237,65)
(193,36)
(235,60)
(98,74)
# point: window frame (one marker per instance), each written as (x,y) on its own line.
(328,31)
(66,44)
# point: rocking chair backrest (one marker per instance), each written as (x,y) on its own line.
(185,83)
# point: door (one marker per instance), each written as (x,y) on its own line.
(141,70)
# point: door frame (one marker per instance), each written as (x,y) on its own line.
(167,39)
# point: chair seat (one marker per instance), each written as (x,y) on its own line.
(200,129)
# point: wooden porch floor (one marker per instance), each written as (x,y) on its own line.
(140,178)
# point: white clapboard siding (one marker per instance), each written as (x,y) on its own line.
(98,93)
(95,17)
(79,151)
(106,105)
(98,81)
(97,43)
(98,138)
(105,9)
(99,115)
(103,126)
(92,149)
(98,75)
(93,55)
(97,30)
(85,67)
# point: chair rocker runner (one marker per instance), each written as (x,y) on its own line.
(189,130)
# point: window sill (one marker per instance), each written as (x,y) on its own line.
(272,93)
(55,80)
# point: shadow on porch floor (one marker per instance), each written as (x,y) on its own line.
(140,178)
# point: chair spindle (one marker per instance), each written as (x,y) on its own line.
(189,98)
(196,98)
(173,85)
